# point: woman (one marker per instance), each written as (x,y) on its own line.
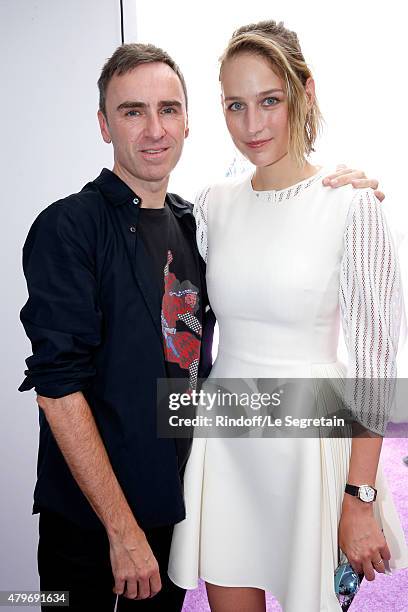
(285,257)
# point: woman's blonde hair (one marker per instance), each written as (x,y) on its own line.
(281,48)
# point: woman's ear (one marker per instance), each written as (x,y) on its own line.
(310,92)
(222,103)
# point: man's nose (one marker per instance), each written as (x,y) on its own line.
(154,126)
(254,120)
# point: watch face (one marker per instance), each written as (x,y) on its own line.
(366,493)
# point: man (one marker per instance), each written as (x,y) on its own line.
(117,300)
(108,489)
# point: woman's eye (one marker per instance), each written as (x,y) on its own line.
(235,106)
(270,101)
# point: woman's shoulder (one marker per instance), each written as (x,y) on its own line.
(346,194)
(346,200)
(223,188)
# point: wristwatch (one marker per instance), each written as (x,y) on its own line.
(364,492)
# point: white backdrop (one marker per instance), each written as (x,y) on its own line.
(52,52)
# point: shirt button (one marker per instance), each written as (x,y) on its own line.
(136,201)
(132,229)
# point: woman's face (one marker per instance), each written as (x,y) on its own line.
(255,108)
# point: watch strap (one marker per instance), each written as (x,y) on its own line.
(352,490)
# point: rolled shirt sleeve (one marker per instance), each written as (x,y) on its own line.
(61,317)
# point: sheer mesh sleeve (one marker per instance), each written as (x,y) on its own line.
(200,214)
(371,307)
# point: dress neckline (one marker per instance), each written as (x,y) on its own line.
(280,195)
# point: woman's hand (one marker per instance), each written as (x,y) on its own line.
(357,178)
(361,539)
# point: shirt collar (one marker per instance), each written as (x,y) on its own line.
(114,189)
(119,193)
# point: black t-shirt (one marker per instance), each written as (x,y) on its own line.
(176,269)
(153,229)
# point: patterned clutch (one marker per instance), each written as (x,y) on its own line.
(346,584)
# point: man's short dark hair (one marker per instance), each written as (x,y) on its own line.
(129,56)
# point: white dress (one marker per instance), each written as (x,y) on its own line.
(283,268)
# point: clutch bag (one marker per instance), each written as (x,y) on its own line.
(346,584)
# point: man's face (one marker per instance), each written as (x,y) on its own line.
(146,121)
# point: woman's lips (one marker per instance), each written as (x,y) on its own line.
(257,144)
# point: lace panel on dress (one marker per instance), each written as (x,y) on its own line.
(281,195)
(200,214)
(371,308)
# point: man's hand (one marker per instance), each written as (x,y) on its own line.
(134,566)
(357,178)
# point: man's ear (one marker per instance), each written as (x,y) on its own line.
(310,91)
(103,124)
(187,128)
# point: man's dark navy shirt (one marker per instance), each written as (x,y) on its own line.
(93,318)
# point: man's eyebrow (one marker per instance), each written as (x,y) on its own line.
(137,104)
(131,104)
(170,103)
(262,93)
